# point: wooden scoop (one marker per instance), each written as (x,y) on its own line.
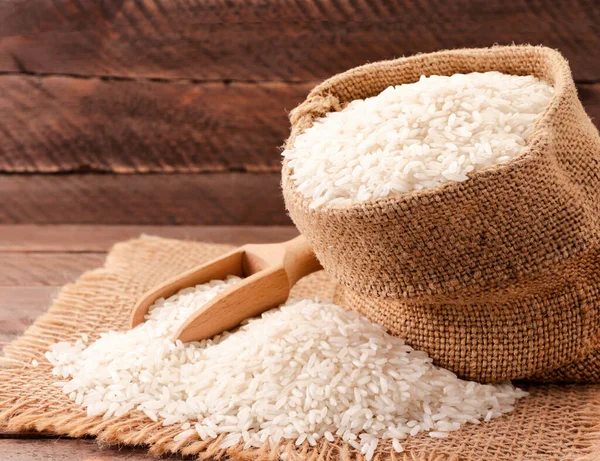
(269,270)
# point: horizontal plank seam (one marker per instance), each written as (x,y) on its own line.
(124,78)
(32,436)
(83,171)
(224,81)
(50,252)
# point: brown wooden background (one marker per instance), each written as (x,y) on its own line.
(172,111)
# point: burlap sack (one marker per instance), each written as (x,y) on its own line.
(552,423)
(497,277)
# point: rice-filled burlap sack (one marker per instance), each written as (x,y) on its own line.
(497,277)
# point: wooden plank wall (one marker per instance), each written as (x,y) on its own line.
(171,111)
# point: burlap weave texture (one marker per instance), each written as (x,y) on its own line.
(497,277)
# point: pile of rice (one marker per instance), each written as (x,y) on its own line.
(304,371)
(416,136)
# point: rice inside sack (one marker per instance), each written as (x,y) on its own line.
(416,135)
(496,276)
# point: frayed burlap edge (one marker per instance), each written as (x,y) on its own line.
(554,422)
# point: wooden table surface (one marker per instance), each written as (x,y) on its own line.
(37,261)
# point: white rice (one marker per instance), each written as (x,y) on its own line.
(416,136)
(305,371)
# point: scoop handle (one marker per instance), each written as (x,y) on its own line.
(299,260)
(285,263)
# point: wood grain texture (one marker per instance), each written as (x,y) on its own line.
(17,449)
(45,269)
(60,124)
(277,40)
(23,239)
(63,124)
(199,199)
(589,94)
(20,306)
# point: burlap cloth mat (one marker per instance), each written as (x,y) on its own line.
(553,423)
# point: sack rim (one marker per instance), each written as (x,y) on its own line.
(558,75)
